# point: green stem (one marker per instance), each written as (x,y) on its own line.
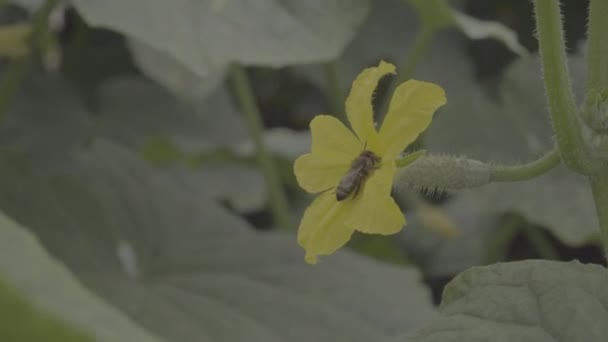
(597,45)
(17,69)
(335,95)
(244,94)
(599,187)
(419,47)
(557,84)
(526,171)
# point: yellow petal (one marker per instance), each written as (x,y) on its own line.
(316,173)
(374,211)
(409,114)
(331,138)
(359,102)
(323,227)
(333,148)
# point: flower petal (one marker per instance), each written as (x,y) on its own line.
(331,138)
(323,227)
(409,114)
(374,211)
(316,173)
(333,148)
(359,102)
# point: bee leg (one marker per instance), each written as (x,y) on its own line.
(326,190)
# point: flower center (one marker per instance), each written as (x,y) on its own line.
(360,169)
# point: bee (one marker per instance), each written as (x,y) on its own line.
(360,168)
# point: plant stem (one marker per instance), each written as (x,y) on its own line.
(597,45)
(599,187)
(419,47)
(17,68)
(526,171)
(244,94)
(557,84)
(335,95)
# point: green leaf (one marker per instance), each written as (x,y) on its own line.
(282,142)
(483,29)
(438,14)
(22,322)
(51,290)
(206,35)
(522,301)
(168,71)
(147,118)
(44,128)
(134,111)
(188,270)
(48,119)
(387,35)
(559,201)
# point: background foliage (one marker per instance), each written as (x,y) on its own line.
(134,209)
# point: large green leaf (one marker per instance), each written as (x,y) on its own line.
(52,291)
(177,77)
(206,35)
(145,117)
(22,322)
(44,128)
(188,270)
(137,114)
(523,301)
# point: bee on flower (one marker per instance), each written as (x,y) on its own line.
(359,165)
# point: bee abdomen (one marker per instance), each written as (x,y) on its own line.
(342,193)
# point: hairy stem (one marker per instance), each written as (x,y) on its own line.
(17,68)
(526,171)
(557,84)
(244,94)
(597,45)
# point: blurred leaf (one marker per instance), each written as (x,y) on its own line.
(483,29)
(48,286)
(516,129)
(387,34)
(522,301)
(169,72)
(134,112)
(240,186)
(13,40)
(559,201)
(282,142)
(380,247)
(21,322)
(148,119)
(45,119)
(188,270)
(438,14)
(205,36)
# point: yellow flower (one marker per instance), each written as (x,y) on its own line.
(343,205)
